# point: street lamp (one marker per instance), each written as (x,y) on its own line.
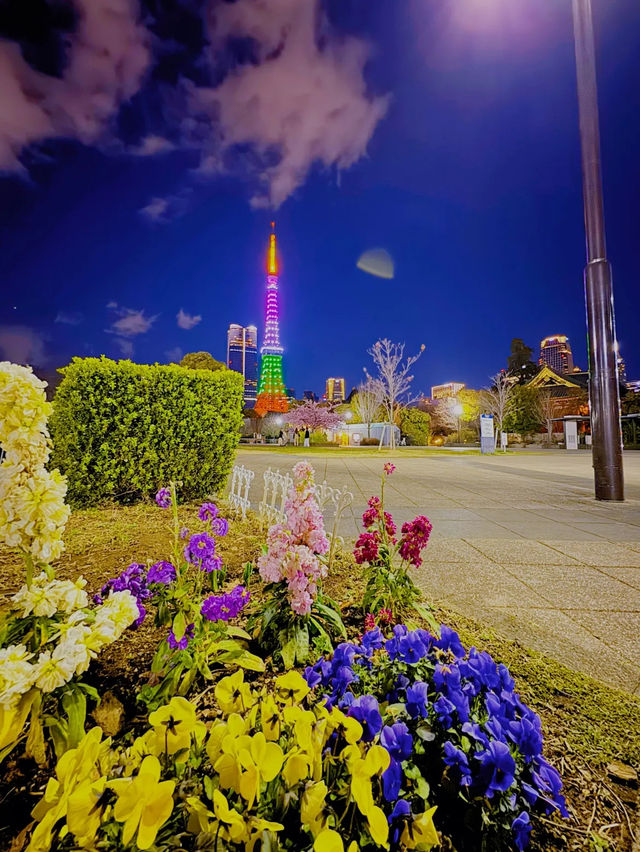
(601,337)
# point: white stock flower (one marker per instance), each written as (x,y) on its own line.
(35,600)
(16,675)
(75,650)
(69,596)
(53,669)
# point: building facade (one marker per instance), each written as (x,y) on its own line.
(242,356)
(447,390)
(272,393)
(335,390)
(555,352)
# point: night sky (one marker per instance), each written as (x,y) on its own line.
(145,148)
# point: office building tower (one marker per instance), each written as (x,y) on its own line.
(555,352)
(242,356)
(335,390)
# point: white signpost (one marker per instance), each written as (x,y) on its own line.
(571,434)
(487,440)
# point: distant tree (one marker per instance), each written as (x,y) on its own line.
(547,408)
(253,417)
(415,424)
(525,416)
(311,415)
(519,363)
(201,361)
(367,402)
(444,421)
(470,401)
(394,377)
(498,399)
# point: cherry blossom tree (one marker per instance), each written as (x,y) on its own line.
(311,415)
(394,378)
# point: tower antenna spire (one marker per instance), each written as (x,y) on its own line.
(272,395)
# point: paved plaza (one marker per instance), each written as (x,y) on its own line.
(518,542)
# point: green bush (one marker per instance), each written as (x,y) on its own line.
(415,425)
(122,430)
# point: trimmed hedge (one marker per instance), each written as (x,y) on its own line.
(122,430)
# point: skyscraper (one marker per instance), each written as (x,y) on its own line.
(242,356)
(272,394)
(335,390)
(555,352)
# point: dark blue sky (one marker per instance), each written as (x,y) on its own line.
(471,182)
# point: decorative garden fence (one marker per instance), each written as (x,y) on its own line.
(241,479)
(276,488)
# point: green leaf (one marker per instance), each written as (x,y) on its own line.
(179,626)
(302,643)
(74,704)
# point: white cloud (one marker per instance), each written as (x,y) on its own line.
(303,102)
(69,317)
(187,321)
(22,345)
(162,210)
(155,210)
(152,145)
(130,323)
(108,56)
(174,355)
(125,346)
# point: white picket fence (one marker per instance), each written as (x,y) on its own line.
(241,479)
(275,491)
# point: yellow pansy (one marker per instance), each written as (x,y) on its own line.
(270,718)
(85,809)
(12,721)
(260,762)
(233,728)
(257,827)
(74,767)
(330,841)
(233,694)
(421,832)
(173,725)
(312,807)
(199,815)
(291,688)
(144,803)
(231,824)
(298,765)
(362,770)
(347,726)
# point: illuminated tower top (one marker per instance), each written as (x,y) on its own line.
(272,395)
(271,345)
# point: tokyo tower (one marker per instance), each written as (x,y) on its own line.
(272,395)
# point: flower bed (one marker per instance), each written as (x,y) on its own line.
(398,740)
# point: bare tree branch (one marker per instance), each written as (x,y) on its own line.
(394,378)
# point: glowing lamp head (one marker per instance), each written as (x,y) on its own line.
(457,409)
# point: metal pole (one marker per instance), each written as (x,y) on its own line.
(601,337)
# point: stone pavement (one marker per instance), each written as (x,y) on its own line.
(518,542)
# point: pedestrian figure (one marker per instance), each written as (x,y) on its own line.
(280,438)
(306,437)
(296,437)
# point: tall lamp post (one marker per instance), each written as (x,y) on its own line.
(604,393)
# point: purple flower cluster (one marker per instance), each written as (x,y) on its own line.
(487,740)
(208,511)
(200,550)
(163,498)
(225,607)
(133,579)
(181,644)
(161,572)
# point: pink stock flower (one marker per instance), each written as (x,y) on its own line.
(389,467)
(366,549)
(415,537)
(369,621)
(389,525)
(385,616)
(293,546)
(370,517)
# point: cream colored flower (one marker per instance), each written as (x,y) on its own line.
(69,596)
(16,674)
(53,669)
